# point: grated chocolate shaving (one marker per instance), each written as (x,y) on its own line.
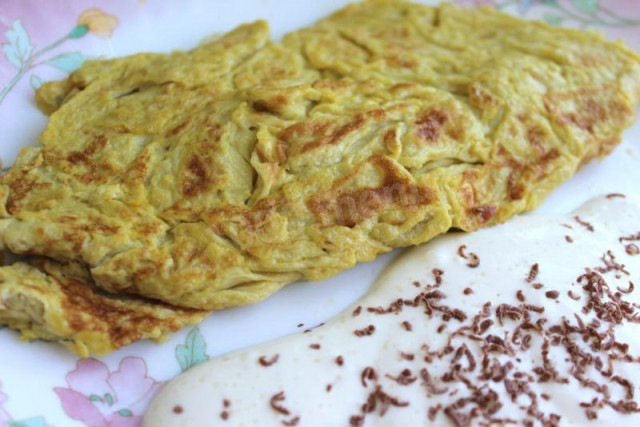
(533,273)
(583,223)
(368,373)
(632,249)
(552,294)
(292,422)
(263,361)
(474,260)
(275,403)
(364,332)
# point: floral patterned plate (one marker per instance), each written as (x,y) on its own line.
(42,384)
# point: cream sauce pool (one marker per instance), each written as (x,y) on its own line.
(537,319)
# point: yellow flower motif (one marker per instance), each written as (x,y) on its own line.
(98,22)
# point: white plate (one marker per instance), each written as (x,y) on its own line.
(41,383)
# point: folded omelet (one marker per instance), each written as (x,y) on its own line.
(211,178)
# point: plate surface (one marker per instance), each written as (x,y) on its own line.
(42,384)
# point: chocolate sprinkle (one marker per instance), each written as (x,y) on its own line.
(369,330)
(339,360)
(533,273)
(368,373)
(292,422)
(628,290)
(263,361)
(585,224)
(407,356)
(178,409)
(467,291)
(474,261)
(552,294)
(275,403)
(632,249)
(572,296)
(407,326)
(315,346)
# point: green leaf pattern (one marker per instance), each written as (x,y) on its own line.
(587,6)
(35,82)
(193,352)
(31,422)
(68,62)
(18,47)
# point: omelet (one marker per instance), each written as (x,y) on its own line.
(212,178)
(56,301)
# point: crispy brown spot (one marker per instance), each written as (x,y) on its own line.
(516,189)
(337,136)
(176,130)
(485,213)
(196,179)
(428,126)
(350,208)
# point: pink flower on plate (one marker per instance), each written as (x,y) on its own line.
(4,415)
(474,3)
(99,398)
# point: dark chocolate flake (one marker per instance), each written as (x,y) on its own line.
(275,403)
(552,294)
(533,273)
(369,330)
(583,223)
(368,373)
(292,422)
(263,361)
(632,249)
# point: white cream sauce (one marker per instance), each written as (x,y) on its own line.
(306,385)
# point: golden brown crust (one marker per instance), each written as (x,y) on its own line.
(53,301)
